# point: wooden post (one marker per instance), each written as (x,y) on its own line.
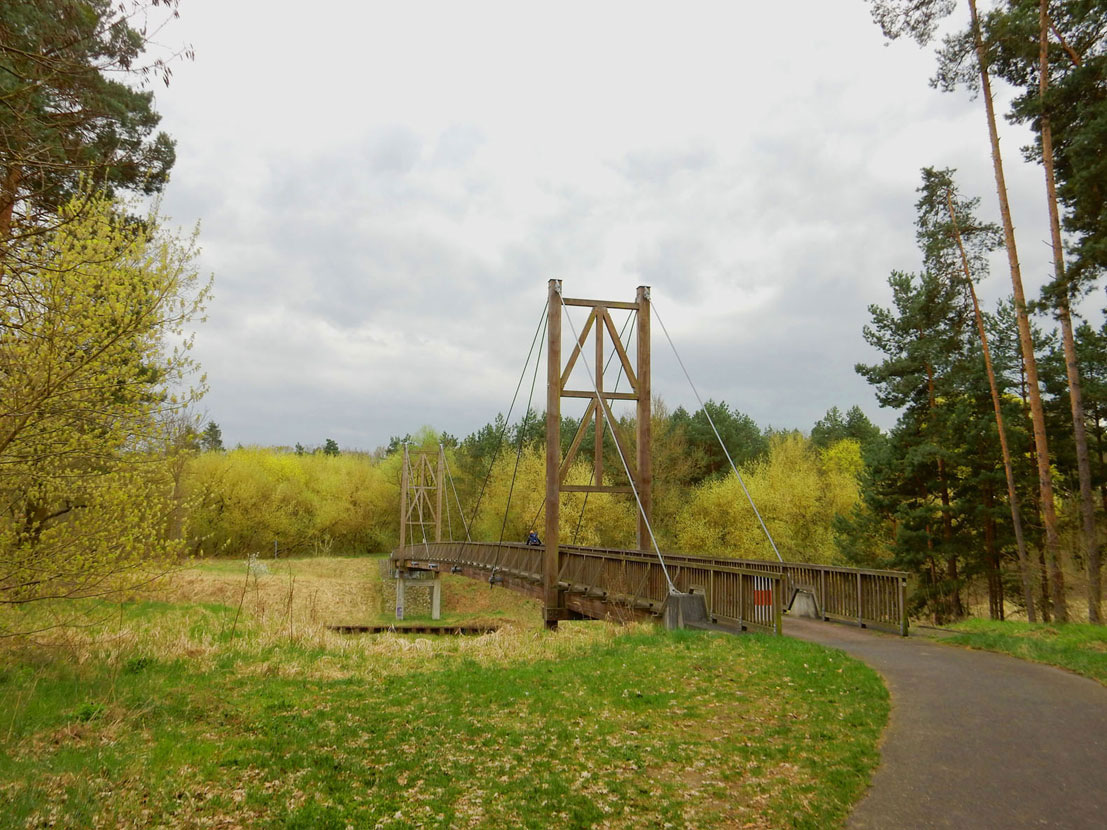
(438,486)
(778,606)
(860,615)
(598,451)
(403,503)
(903,607)
(644,432)
(551,566)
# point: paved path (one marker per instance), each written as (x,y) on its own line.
(977,740)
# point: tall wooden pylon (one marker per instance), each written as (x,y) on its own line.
(598,412)
(421,497)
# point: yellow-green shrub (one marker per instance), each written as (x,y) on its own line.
(798,489)
(248,498)
(608,520)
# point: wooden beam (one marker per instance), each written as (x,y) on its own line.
(617,435)
(575,446)
(439,475)
(576,350)
(589,393)
(631,375)
(594,488)
(574,301)
(403,499)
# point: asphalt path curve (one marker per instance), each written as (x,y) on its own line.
(975,739)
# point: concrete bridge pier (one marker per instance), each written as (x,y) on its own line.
(420,579)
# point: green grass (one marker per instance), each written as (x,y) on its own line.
(1078,647)
(159,718)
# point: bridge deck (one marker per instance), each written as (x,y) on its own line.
(740,593)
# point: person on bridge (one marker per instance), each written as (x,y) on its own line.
(532,538)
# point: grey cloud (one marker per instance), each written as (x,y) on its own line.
(374,238)
(659,167)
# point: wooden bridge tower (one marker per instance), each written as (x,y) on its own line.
(599,410)
(421,494)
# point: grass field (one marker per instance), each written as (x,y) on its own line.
(1078,647)
(225,702)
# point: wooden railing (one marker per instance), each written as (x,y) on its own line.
(866,597)
(599,578)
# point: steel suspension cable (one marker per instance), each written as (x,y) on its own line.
(453,487)
(518,457)
(449,515)
(507,420)
(714,429)
(626,467)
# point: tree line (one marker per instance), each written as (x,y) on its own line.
(988,402)
(245,500)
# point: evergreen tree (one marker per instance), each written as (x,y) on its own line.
(967,59)
(955,244)
(211,439)
(66,112)
(742,437)
(1066,106)
(923,339)
(1023,38)
(834,427)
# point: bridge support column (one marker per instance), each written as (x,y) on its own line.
(644,435)
(553,599)
(419,579)
(421,474)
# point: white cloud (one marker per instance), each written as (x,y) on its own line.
(386,187)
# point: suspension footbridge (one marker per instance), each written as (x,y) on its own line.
(575,582)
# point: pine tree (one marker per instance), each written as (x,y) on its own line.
(211,439)
(966,59)
(1023,39)
(956,245)
(66,113)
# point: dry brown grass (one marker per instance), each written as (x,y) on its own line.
(294,602)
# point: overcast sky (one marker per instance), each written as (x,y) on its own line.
(384,189)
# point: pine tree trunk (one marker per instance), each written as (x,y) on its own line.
(1005,451)
(1043,573)
(1097,430)
(8,193)
(1044,570)
(995,574)
(952,599)
(936,597)
(956,608)
(1076,397)
(1037,414)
